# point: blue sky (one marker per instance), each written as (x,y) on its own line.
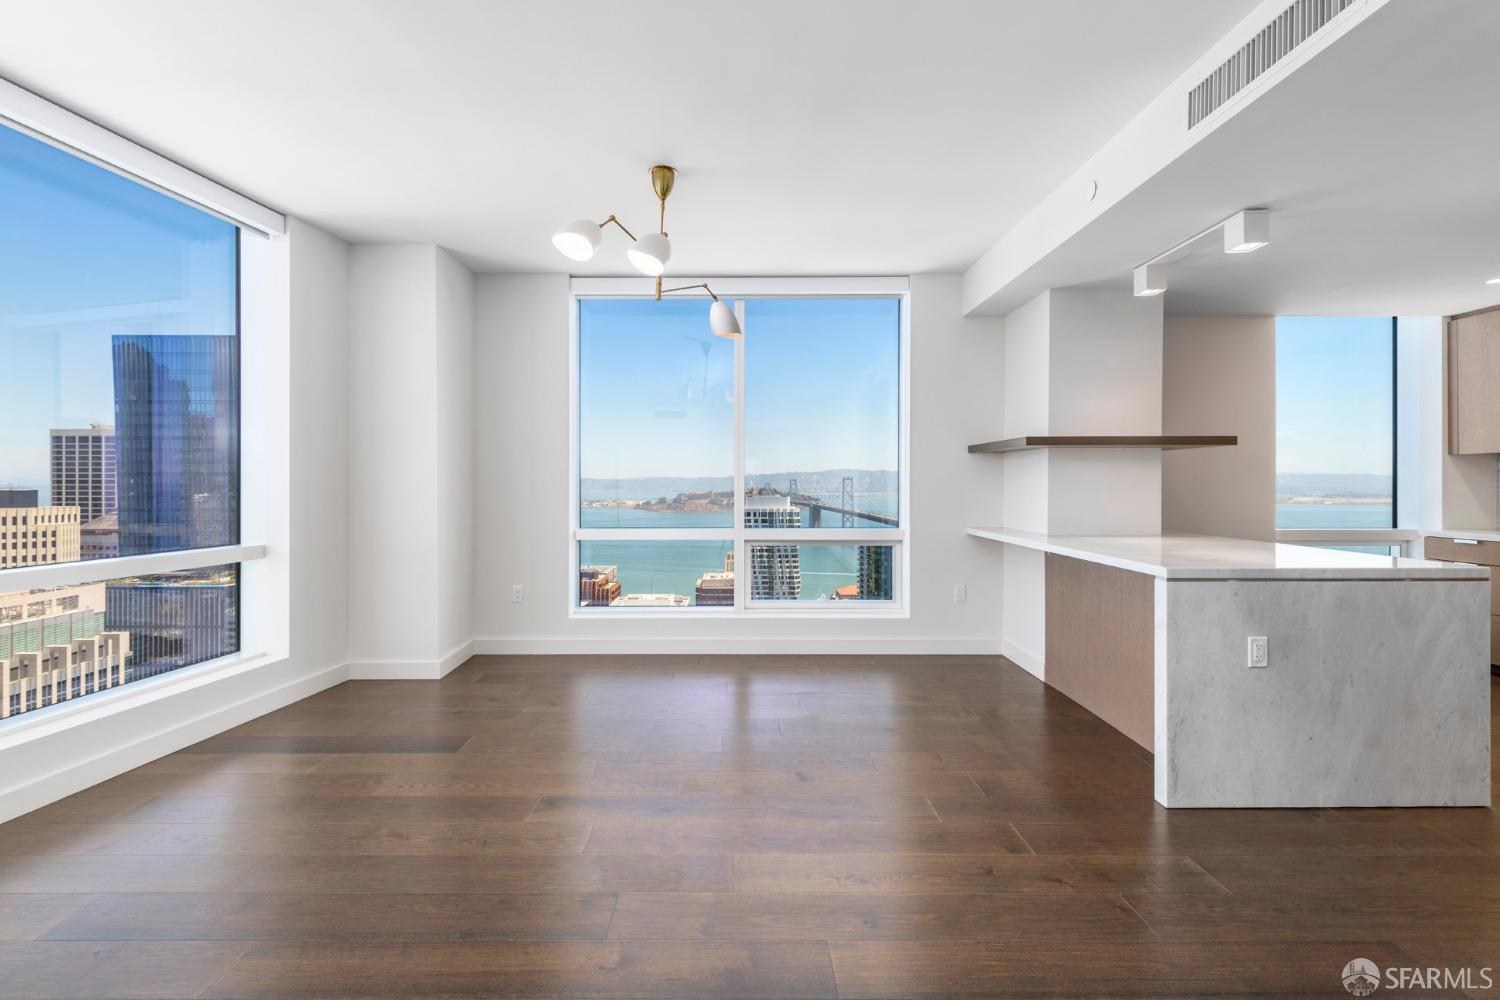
(656,388)
(86,254)
(1333,394)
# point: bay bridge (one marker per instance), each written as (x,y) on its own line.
(845,509)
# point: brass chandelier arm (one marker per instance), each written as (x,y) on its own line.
(660,291)
(620,224)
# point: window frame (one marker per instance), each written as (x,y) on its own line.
(41,120)
(737,291)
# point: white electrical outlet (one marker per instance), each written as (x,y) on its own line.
(518,594)
(960,593)
(1260,655)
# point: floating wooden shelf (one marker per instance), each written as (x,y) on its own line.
(1170,442)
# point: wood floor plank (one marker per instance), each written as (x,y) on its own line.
(788,835)
(1300,915)
(965,873)
(351,838)
(338,916)
(990,968)
(381,873)
(29,915)
(829,781)
(77,838)
(647,969)
(275,808)
(844,808)
(102,970)
(314,743)
(465,781)
(755,916)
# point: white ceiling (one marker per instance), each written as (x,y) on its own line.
(1380,160)
(833,137)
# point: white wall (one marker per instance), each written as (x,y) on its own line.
(455,455)
(295,325)
(1219,377)
(319,418)
(410,458)
(522,490)
(1078,362)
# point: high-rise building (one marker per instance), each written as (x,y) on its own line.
(31,535)
(775,568)
(83,470)
(715,589)
(54,646)
(598,586)
(177,426)
(875,566)
(100,538)
(176,619)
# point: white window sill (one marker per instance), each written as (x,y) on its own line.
(102,704)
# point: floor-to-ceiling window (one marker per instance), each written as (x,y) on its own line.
(119,380)
(1335,424)
(742,475)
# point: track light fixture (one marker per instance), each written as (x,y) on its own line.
(1150,279)
(1244,232)
(580,239)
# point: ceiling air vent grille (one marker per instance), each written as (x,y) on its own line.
(1290,29)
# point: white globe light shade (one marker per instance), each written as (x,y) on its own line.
(578,239)
(722,321)
(649,254)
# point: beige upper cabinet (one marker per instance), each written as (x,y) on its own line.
(1474,383)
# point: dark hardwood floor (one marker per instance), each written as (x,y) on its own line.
(702,827)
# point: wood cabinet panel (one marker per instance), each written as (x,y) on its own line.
(1485,553)
(1101,642)
(1474,383)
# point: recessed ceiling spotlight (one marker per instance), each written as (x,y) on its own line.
(1150,279)
(1247,231)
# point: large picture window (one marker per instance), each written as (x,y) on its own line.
(1335,425)
(119,374)
(759,474)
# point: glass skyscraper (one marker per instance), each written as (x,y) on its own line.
(177,427)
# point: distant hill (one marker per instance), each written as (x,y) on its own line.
(1302,484)
(819,481)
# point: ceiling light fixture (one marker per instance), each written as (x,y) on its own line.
(1247,231)
(1493,281)
(1150,279)
(1244,232)
(649,254)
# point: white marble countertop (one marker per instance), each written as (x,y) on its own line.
(1209,557)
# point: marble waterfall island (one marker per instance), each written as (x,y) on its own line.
(1376,684)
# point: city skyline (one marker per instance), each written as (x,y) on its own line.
(86,255)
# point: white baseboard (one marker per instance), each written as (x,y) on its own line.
(411,670)
(90,750)
(1029,662)
(700,646)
